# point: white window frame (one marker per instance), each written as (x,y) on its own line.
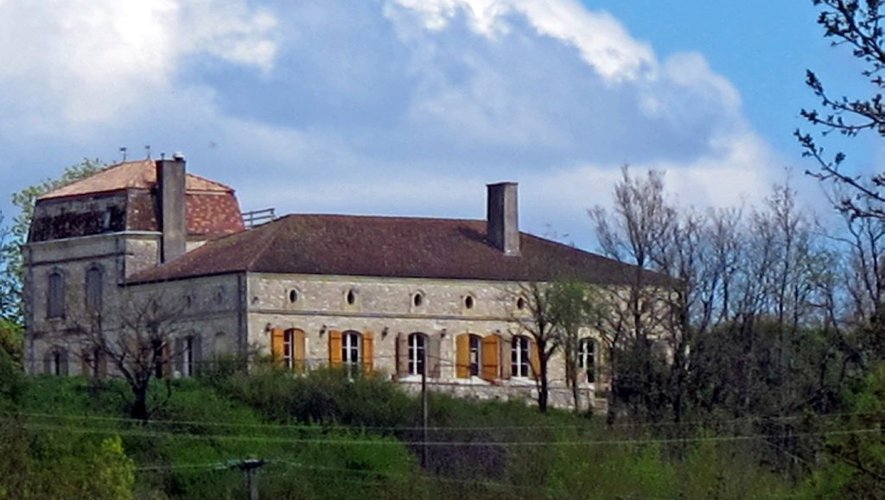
(587,357)
(520,357)
(188,360)
(417,353)
(474,355)
(351,348)
(288,349)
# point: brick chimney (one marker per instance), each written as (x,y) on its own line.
(502,218)
(170,197)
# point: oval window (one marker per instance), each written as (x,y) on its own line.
(418,299)
(293,296)
(468,302)
(351,297)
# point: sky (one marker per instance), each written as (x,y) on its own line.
(409,107)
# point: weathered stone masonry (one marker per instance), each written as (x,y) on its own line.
(393,295)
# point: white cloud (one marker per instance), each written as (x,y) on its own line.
(400,106)
(69,63)
(601,39)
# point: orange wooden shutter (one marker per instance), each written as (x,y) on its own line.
(402,354)
(368,351)
(462,356)
(335,348)
(298,349)
(536,359)
(433,354)
(276,344)
(506,346)
(491,346)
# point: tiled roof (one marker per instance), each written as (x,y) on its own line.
(140,174)
(208,213)
(130,204)
(393,247)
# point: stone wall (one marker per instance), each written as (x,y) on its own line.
(386,307)
(236,312)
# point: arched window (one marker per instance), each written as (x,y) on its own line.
(55,362)
(587,358)
(288,348)
(417,353)
(520,363)
(351,348)
(55,296)
(94,286)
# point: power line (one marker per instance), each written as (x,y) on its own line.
(354,427)
(393,442)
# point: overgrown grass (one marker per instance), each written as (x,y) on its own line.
(329,436)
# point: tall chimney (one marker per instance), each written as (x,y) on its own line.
(170,195)
(502,219)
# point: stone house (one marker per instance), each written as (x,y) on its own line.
(401,296)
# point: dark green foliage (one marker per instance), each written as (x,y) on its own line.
(317,443)
(855,463)
(326,397)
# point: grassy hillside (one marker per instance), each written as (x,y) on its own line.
(325,436)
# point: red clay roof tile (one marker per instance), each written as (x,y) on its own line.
(393,247)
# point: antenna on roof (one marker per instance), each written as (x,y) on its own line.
(123,150)
(148,151)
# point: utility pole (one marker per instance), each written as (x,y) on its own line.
(424,409)
(250,468)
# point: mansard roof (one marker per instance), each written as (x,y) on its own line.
(140,174)
(123,197)
(404,247)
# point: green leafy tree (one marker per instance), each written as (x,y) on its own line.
(112,472)
(855,451)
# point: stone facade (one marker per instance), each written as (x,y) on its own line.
(257,291)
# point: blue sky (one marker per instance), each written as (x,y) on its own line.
(411,106)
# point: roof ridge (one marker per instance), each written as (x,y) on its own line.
(381,216)
(210,181)
(81,179)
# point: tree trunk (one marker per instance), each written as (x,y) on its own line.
(139,409)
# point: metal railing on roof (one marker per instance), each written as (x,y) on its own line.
(257,217)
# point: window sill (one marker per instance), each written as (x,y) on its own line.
(473,380)
(521,381)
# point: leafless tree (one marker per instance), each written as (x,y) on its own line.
(141,348)
(575,307)
(857,25)
(637,231)
(536,320)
